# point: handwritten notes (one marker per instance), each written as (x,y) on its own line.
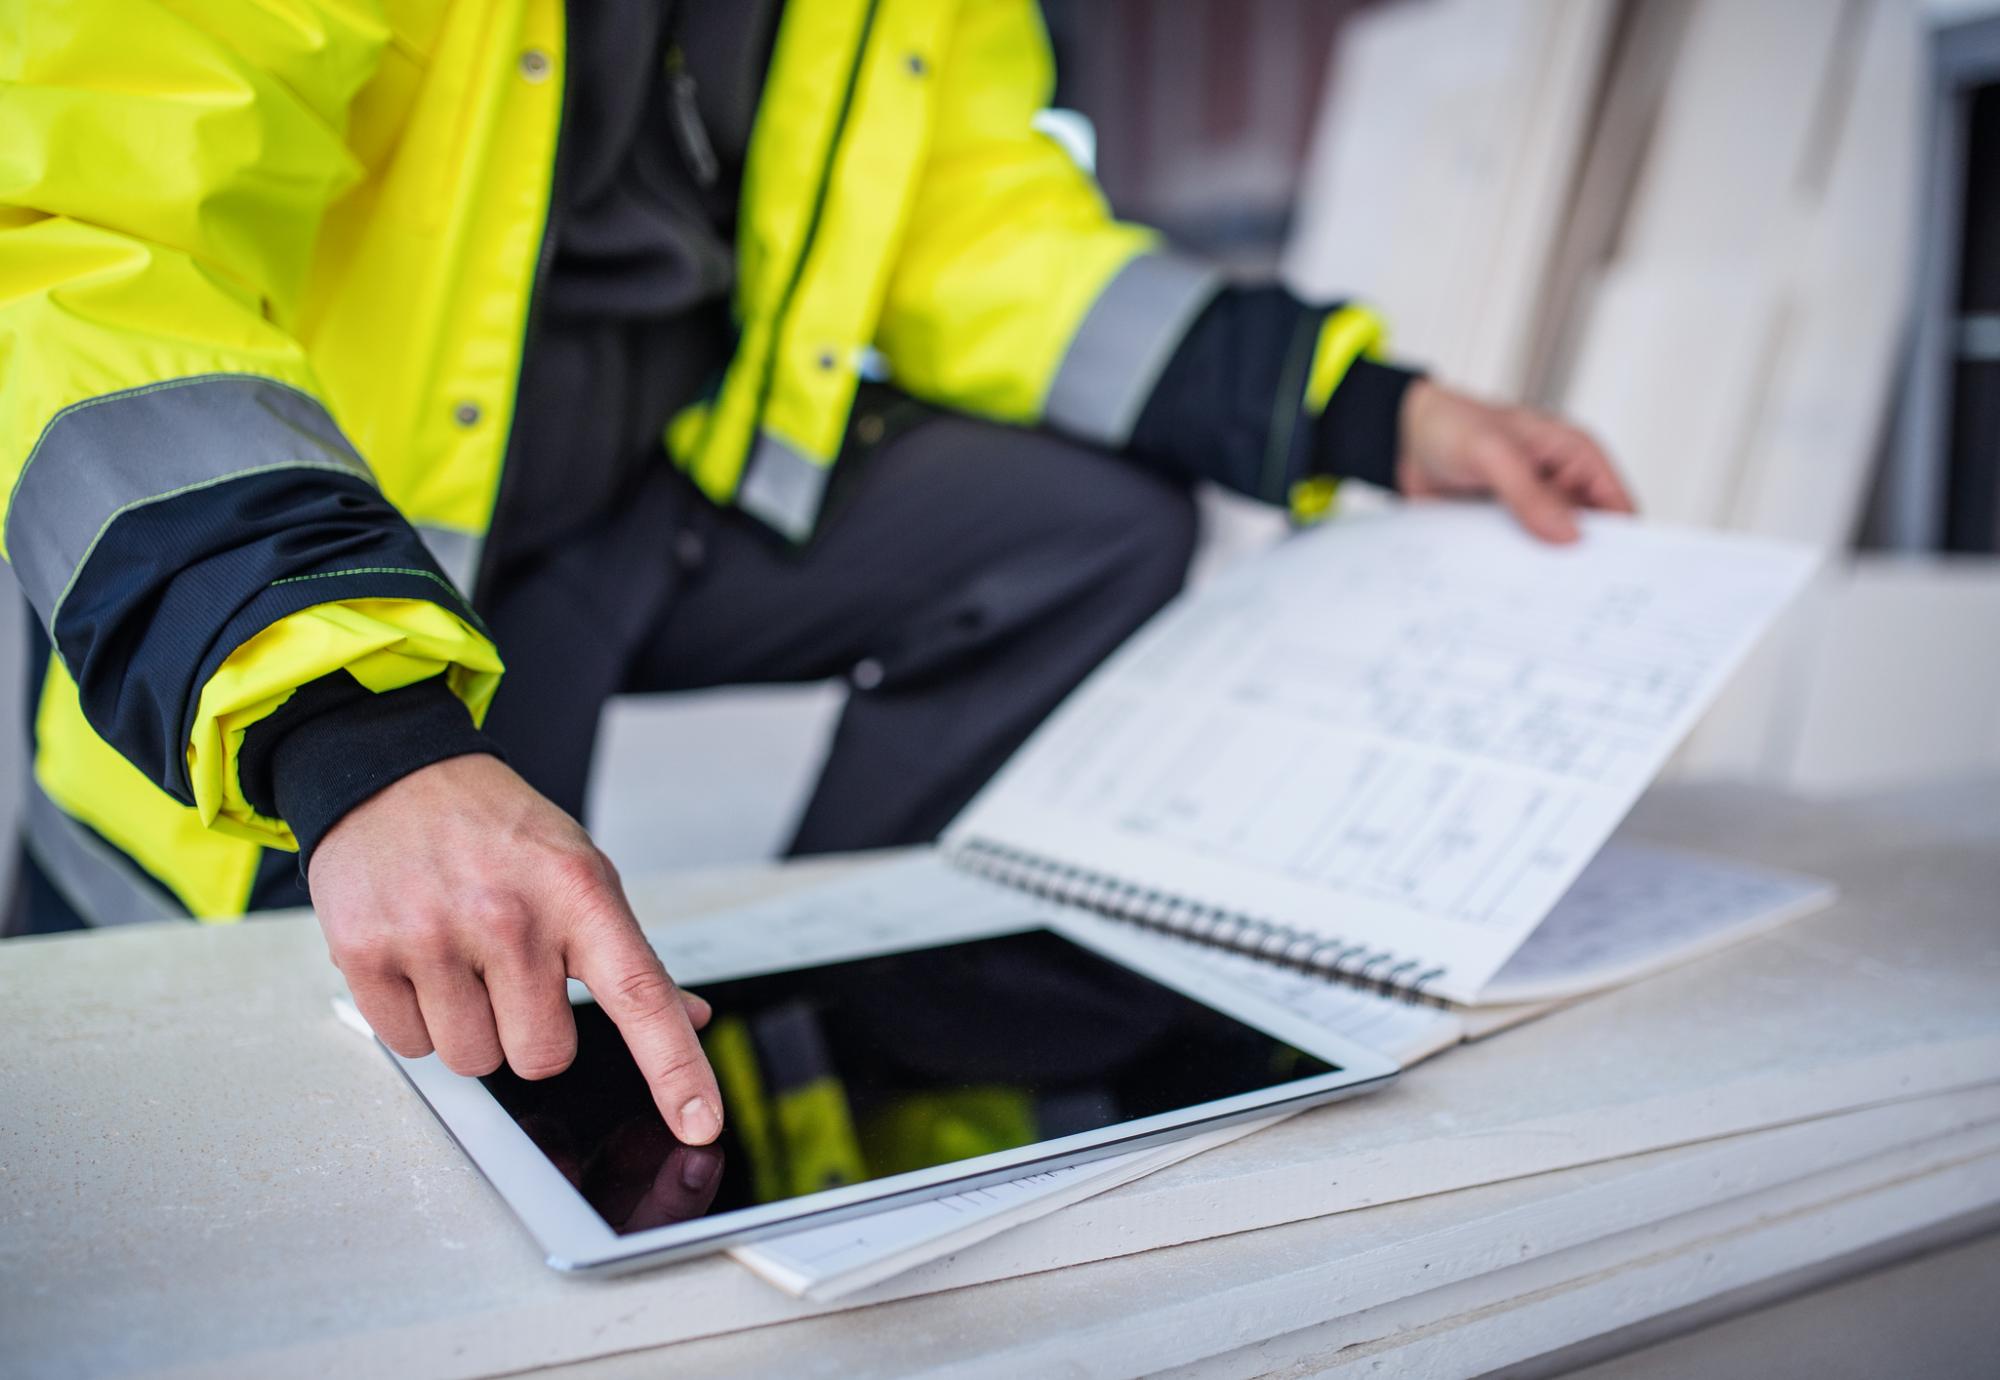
(1408,729)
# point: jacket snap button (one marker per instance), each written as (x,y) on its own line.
(826,359)
(869,429)
(466,413)
(867,674)
(915,62)
(535,65)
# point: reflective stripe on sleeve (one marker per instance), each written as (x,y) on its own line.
(457,554)
(123,450)
(782,487)
(1352,333)
(1126,339)
(101,885)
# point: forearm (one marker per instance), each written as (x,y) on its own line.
(1234,403)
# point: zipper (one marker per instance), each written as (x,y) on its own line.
(685,115)
(545,257)
(818,210)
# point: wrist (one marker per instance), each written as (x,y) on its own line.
(424,793)
(336,744)
(1419,401)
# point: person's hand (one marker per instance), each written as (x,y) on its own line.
(1541,468)
(457,901)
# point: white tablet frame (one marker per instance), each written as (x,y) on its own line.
(575,1239)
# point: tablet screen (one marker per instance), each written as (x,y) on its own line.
(879,1066)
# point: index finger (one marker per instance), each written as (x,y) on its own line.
(615,962)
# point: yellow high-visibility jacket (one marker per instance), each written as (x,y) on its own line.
(267,261)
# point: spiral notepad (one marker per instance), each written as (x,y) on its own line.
(1383,750)
(1362,965)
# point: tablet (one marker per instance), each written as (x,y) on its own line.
(880,1077)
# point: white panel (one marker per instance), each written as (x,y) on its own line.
(1904,682)
(1439,169)
(1824,410)
(1667,376)
(1723,171)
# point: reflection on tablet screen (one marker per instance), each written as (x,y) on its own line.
(878,1066)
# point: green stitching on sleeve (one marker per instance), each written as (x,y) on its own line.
(432,576)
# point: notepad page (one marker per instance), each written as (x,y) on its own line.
(1408,729)
(1406,1031)
(1638,908)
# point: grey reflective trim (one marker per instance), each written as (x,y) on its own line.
(782,488)
(103,886)
(457,554)
(1131,331)
(120,451)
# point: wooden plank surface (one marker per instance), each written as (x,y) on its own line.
(1513,1316)
(1371,1282)
(204,1171)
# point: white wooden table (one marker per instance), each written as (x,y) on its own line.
(201,1173)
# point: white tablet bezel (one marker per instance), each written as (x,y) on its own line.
(574,1238)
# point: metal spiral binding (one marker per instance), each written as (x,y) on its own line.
(1358,965)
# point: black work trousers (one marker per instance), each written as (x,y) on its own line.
(965,577)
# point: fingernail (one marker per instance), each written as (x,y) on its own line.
(699,1123)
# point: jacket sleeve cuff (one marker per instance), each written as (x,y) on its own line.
(384,644)
(1356,436)
(1227,406)
(335,743)
(1277,399)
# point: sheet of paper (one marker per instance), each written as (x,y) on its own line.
(1408,729)
(894,905)
(834,1261)
(1637,908)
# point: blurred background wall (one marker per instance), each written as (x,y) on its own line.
(1754,244)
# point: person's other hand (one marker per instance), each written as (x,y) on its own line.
(1543,469)
(457,901)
